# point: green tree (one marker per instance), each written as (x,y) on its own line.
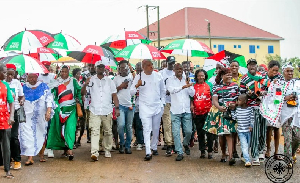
(295,61)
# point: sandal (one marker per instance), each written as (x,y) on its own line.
(27,163)
(71,157)
(42,160)
(10,176)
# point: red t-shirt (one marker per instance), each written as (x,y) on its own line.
(5,97)
(202,98)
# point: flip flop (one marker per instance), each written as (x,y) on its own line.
(29,163)
(10,176)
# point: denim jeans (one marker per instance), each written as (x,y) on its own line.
(186,120)
(125,120)
(138,128)
(245,144)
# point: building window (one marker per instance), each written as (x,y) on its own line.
(270,49)
(220,47)
(251,48)
(257,46)
(215,46)
(239,46)
(234,46)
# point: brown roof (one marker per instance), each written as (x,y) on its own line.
(191,22)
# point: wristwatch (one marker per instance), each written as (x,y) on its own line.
(132,72)
(117,107)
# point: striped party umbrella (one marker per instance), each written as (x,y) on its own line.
(225,58)
(141,51)
(124,39)
(115,52)
(4,54)
(188,47)
(25,64)
(28,39)
(92,53)
(64,43)
(43,54)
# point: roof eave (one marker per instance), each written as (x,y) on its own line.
(221,37)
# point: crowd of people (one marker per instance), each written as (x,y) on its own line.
(47,112)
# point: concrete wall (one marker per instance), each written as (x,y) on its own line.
(260,53)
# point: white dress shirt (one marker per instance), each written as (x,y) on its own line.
(124,94)
(166,74)
(101,95)
(152,95)
(180,98)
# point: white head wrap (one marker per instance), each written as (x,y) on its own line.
(287,65)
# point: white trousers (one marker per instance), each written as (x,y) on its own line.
(151,123)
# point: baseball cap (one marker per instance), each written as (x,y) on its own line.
(251,60)
(170,59)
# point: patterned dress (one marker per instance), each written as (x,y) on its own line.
(63,125)
(215,123)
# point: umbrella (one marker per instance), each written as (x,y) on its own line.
(4,54)
(115,52)
(65,60)
(124,39)
(188,47)
(64,43)
(28,39)
(141,51)
(25,64)
(225,58)
(43,54)
(92,53)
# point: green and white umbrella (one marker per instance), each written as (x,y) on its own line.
(27,40)
(25,64)
(224,58)
(64,43)
(140,51)
(188,47)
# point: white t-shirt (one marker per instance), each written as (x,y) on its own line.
(101,95)
(124,94)
(17,91)
(166,74)
(49,79)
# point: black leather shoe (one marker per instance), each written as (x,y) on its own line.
(231,161)
(121,149)
(235,155)
(155,152)
(148,157)
(169,151)
(179,157)
(187,150)
(223,160)
(128,151)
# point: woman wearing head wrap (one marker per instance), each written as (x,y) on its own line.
(38,108)
(281,103)
(66,93)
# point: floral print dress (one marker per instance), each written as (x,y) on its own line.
(215,123)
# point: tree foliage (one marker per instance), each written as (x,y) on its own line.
(295,61)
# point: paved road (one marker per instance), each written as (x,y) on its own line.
(132,168)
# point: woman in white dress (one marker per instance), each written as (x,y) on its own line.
(38,108)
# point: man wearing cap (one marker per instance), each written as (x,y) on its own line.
(102,89)
(17,91)
(152,95)
(255,84)
(49,79)
(166,117)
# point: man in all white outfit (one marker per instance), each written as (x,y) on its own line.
(152,94)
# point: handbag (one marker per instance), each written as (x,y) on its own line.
(21,115)
(79,111)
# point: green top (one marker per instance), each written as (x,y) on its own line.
(10,98)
